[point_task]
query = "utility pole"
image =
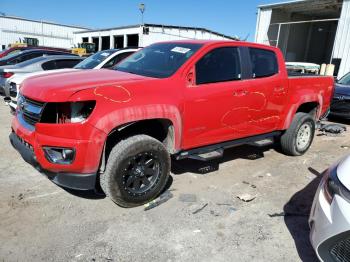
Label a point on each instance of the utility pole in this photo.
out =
(142, 10)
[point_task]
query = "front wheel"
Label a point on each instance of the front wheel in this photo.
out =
(137, 171)
(298, 137)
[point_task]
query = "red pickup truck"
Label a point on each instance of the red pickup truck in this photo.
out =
(118, 128)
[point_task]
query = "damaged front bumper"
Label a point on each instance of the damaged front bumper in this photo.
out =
(68, 180)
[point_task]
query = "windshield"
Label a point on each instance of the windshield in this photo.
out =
(345, 80)
(158, 60)
(94, 60)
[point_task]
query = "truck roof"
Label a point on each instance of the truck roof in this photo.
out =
(213, 42)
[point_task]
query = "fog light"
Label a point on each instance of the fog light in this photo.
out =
(59, 155)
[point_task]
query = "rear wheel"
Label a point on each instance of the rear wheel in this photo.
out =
(298, 138)
(136, 172)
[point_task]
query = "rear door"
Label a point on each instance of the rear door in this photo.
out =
(267, 94)
(215, 104)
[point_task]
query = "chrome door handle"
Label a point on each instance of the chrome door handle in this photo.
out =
(240, 93)
(279, 89)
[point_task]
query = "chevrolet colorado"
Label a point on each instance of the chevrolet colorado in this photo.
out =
(117, 129)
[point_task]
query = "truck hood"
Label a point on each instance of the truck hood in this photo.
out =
(59, 87)
(342, 89)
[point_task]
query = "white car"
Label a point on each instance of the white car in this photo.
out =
(330, 214)
(42, 63)
(102, 59)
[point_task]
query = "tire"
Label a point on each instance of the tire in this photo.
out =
(297, 139)
(128, 168)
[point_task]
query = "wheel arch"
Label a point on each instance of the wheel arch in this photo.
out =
(309, 107)
(162, 129)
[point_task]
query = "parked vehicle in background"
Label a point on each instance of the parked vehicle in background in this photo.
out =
(191, 99)
(42, 63)
(103, 59)
(23, 56)
(330, 214)
(340, 106)
(84, 49)
(13, 50)
(27, 55)
(106, 58)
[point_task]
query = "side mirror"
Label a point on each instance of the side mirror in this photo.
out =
(191, 78)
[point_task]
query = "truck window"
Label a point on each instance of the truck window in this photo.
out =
(264, 62)
(219, 65)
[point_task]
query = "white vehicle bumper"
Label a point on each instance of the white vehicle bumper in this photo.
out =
(330, 225)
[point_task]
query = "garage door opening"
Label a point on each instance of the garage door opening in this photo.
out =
(305, 31)
(133, 40)
(308, 41)
(105, 42)
(96, 41)
(118, 41)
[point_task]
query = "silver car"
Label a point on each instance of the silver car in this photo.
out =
(330, 214)
(42, 63)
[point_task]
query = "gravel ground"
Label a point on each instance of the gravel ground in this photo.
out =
(202, 221)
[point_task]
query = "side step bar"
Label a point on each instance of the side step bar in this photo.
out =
(215, 151)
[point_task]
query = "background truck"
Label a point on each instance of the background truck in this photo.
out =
(118, 128)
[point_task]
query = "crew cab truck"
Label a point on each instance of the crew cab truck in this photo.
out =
(117, 129)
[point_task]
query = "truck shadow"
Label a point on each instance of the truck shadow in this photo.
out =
(296, 215)
(88, 194)
(204, 167)
(98, 194)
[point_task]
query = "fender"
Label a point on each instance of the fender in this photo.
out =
(116, 105)
(127, 115)
(297, 102)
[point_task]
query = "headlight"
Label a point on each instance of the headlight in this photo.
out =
(72, 112)
(332, 186)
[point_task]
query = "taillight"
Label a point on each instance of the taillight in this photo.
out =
(7, 74)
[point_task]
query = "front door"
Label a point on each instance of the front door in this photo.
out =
(215, 106)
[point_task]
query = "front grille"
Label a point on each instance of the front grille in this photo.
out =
(13, 90)
(340, 252)
(31, 110)
(23, 141)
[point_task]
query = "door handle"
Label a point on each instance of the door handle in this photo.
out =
(240, 93)
(279, 89)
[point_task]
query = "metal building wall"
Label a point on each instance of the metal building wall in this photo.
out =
(156, 34)
(262, 26)
(342, 40)
(13, 29)
(78, 36)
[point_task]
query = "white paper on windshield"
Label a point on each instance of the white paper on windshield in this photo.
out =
(181, 50)
(104, 54)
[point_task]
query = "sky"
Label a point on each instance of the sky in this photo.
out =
(230, 17)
